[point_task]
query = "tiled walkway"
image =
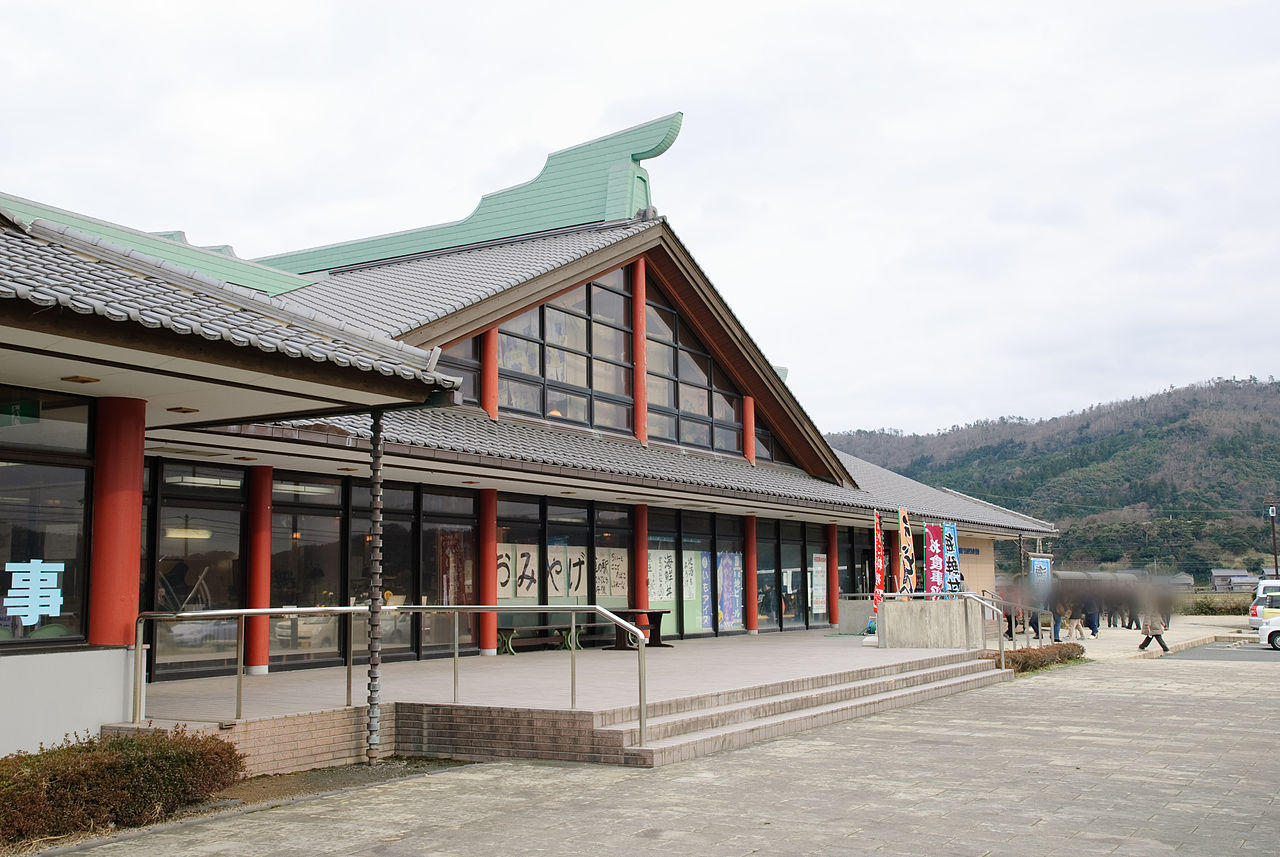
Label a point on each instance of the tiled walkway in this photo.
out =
(1126, 757)
(535, 679)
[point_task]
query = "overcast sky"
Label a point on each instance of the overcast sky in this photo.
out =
(930, 212)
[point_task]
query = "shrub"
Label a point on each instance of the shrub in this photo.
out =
(1214, 604)
(87, 784)
(1025, 660)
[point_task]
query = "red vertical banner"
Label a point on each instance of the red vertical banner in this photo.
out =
(933, 564)
(906, 545)
(879, 591)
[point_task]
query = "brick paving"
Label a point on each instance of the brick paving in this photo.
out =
(1130, 757)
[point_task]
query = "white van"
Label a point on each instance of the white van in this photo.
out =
(1267, 587)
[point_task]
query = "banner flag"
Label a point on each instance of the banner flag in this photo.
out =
(907, 548)
(933, 568)
(879, 590)
(954, 580)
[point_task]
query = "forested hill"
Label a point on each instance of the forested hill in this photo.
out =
(1179, 480)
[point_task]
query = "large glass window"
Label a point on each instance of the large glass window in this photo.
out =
(198, 567)
(519, 556)
(570, 360)
(663, 563)
(42, 544)
(791, 539)
(448, 566)
(398, 565)
(691, 399)
(306, 569)
(818, 560)
(613, 556)
(768, 596)
(36, 420)
(462, 359)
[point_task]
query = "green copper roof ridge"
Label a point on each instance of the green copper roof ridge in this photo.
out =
(231, 269)
(592, 182)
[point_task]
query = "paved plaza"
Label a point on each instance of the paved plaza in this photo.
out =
(1175, 755)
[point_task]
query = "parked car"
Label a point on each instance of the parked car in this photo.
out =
(1269, 633)
(1267, 587)
(202, 632)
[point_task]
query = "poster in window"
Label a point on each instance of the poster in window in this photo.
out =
(576, 571)
(662, 576)
(619, 563)
(818, 585)
(557, 570)
(526, 571)
(708, 608)
(506, 572)
(690, 574)
(452, 560)
(730, 574)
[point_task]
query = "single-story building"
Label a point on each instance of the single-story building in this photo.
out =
(570, 413)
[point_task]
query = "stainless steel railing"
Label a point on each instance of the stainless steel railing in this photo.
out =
(240, 614)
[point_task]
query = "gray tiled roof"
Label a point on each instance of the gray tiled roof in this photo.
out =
(889, 490)
(399, 296)
(49, 264)
(470, 432)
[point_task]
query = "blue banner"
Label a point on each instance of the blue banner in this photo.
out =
(953, 580)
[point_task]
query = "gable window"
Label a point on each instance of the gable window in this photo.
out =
(463, 359)
(570, 359)
(691, 400)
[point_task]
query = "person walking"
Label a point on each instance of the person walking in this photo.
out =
(1092, 620)
(1153, 627)
(1075, 619)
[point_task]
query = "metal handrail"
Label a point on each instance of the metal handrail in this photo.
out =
(239, 614)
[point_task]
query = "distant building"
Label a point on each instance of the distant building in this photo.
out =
(1232, 580)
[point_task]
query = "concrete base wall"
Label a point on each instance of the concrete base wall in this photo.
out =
(920, 624)
(854, 614)
(52, 694)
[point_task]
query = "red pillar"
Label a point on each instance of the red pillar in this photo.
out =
(258, 566)
(114, 575)
(640, 580)
(833, 575)
(489, 373)
(750, 596)
(749, 428)
(488, 584)
(639, 332)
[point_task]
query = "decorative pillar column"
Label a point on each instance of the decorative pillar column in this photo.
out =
(749, 428)
(639, 334)
(750, 597)
(833, 574)
(488, 583)
(116, 533)
(640, 550)
(489, 372)
(258, 566)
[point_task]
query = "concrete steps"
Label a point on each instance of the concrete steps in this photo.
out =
(696, 726)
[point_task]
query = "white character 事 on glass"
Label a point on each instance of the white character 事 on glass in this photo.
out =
(35, 591)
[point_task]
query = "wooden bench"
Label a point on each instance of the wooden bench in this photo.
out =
(509, 638)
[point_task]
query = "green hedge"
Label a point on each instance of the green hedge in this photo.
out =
(1214, 604)
(94, 784)
(1025, 660)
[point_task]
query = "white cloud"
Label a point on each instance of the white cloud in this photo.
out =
(971, 209)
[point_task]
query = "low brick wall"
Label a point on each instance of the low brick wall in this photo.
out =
(290, 742)
(478, 733)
